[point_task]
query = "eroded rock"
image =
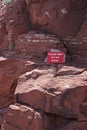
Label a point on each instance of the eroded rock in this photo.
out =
(62, 17)
(28, 118)
(10, 69)
(55, 95)
(50, 97)
(36, 45)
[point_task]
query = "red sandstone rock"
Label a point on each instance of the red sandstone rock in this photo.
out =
(55, 95)
(62, 17)
(9, 71)
(2, 114)
(77, 47)
(70, 70)
(2, 33)
(76, 125)
(62, 98)
(23, 117)
(36, 45)
(14, 10)
(2, 24)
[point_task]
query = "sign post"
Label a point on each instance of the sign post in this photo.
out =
(56, 57)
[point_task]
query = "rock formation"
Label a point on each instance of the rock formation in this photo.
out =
(45, 102)
(36, 45)
(62, 17)
(36, 95)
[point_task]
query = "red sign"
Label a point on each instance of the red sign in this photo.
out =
(56, 57)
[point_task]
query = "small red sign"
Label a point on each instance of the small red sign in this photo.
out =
(56, 57)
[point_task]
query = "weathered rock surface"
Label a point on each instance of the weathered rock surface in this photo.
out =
(47, 97)
(61, 99)
(36, 45)
(10, 69)
(55, 95)
(27, 117)
(70, 70)
(2, 24)
(62, 17)
(16, 11)
(78, 47)
(2, 114)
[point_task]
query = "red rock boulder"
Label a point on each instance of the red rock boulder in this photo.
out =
(54, 95)
(10, 69)
(61, 17)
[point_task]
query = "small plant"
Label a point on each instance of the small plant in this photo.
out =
(6, 1)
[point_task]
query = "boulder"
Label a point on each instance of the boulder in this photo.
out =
(61, 17)
(10, 69)
(69, 70)
(55, 95)
(23, 117)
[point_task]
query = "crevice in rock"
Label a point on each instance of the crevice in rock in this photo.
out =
(83, 107)
(12, 125)
(26, 104)
(48, 114)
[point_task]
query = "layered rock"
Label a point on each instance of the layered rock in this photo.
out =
(27, 117)
(48, 97)
(36, 45)
(10, 69)
(54, 95)
(16, 11)
(62, 100)
(64, 18)
(77, 46)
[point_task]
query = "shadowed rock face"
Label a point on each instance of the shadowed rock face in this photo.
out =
(55, 95)
(62, 17)
(16, 11)
(10, 69)
(65, 18)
